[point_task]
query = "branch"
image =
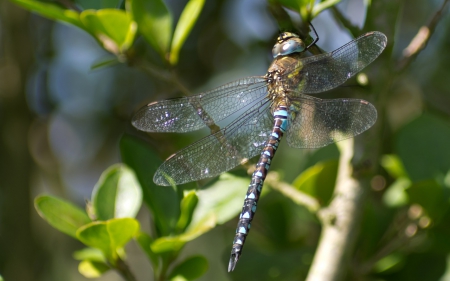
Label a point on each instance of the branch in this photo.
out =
(273, 180)
(420, 40)
(339, 220)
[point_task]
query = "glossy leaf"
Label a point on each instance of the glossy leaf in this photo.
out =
(90, 254)
(61, 214)
(109, 236)
(318, 181)
(162, 201)
(168, 244)
(190, 269)
(222, 200)
(117, 194)
(154, 21)
(114, 29)
(188, 205)
(184, 26)
(422, 146)
(92, 269)
(51, 11)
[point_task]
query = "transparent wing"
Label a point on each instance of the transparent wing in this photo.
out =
(327, 71)
(318, 123)
(195, 112)
(221, 151)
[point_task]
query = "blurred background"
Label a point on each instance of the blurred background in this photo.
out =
(61, 122)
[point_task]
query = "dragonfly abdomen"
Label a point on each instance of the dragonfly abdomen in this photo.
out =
(254, 189)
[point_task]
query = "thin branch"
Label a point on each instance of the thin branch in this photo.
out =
(340, 221)
(421, 39)
(124, 270)
(273, 180)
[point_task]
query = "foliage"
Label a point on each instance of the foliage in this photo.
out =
(404, 228)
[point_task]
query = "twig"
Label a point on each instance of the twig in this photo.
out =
(273, 180)
(124, 270)
(420, 40)
(339, 222)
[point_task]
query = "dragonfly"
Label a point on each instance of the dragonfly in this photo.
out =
(276, 104)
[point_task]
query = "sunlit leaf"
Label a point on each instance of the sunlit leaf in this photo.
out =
(168, 244)
(61, 214)
(113, 28)
(154, 22)
(395, 195)
(188, 205)
(393, 166)
(109, 236)
(389, 263)
(51, 11)
(184, 26)
(117, 194)
(92, 269)
(90, 254)
(190, 269)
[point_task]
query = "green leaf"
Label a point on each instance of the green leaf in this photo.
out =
(90, 254)
(222, 200)
(51, 11)
(188, 205)
(105, 63)
(117, 194)
(92, 269)
(184, 26)
(389, 263)
(422, 146)
(145, 241)
(395, 195)
(113, 28)
(109, 236)
(320, 7)
(162, 201)
(168, 244)
(60, 214)
(154, 23)
(190, 269)
(318, 181)
(394, 166)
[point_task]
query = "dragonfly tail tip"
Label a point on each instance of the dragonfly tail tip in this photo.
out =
(233, 261)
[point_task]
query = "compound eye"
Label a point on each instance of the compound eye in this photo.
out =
(292, 45)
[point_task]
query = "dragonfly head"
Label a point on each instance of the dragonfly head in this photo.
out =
(288, 43)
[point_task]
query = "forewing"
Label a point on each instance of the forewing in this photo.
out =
(195, 112)
(221, 151)
(324, 72)
(318, 123)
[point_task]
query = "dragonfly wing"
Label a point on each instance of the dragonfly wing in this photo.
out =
(317, 122)
(195, 112)
(327, 71)
(221, 151)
